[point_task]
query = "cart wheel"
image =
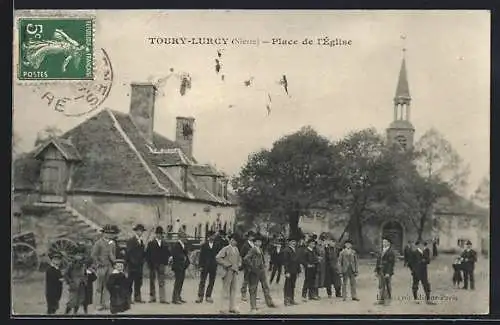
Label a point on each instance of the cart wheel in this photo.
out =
(25, 260)
(66, 248)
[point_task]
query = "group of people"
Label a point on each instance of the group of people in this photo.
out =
(326, 265)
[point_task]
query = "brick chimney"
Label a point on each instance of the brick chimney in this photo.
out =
(184, 134)
(142, 108)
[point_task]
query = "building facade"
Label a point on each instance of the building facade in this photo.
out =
(114, 167)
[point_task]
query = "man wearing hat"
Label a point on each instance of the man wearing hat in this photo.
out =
(103, 256)
(348, 262)
(276, 261)
(249, 244)
(469, 259)
(230, 260)
(291, 265)
(421, 261)
(53, 282)
(208, 266)
(157, 258)
(384, 269)
(256, 268)
(136, 253)
(180, 263)
(311, 268)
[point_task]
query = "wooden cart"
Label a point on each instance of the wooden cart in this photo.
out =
(25, 259)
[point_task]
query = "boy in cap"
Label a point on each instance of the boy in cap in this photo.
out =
(119, 288)
(157, 258)
(53, 283)
(469, 259)
(229, 258)
(256, 268)
(136, 254)
(348, 262)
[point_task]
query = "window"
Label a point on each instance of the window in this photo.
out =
(51, 182)
(402, 141)
(461, 242)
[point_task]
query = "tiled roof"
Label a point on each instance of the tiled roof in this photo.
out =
(114, 157)
(454, 203)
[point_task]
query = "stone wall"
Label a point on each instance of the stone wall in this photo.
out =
(127, 211)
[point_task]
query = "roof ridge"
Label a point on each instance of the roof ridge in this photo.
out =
(117, 125)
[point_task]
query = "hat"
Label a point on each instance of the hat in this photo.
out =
(468, 242)
(251, 234)
(323, 236)
(348, 241)
(292, 238)
(222, 232)
(118, 260)
(311, 240)
(139, 227)
(210, 233)
(110, 229)
(314, 237)
(159, 230)
(388, 239)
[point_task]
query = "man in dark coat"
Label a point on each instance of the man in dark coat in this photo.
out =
(384, 269)
(469, 259)
(245, 248)
(157, 258)
(407, 253)
(256, 267)
(135, 256)
(208, 266)
(276, 261)
(291, 265)
(421, 260)
(53, 283)
(332, 275)
(311, 267)
(179, 266)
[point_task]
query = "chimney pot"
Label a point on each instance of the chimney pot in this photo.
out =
(184, 134)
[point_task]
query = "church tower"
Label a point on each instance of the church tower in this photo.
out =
(401, 130)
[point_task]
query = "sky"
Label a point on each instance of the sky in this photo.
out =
(335, 90)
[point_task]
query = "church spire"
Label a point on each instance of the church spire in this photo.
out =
(402, 90)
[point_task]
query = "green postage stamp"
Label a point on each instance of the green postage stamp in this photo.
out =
(55, 48)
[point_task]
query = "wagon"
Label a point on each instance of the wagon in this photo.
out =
(25, 259)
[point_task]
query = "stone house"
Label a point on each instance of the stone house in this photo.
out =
(114, 167)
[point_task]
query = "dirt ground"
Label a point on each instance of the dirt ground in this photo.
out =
(28, 296)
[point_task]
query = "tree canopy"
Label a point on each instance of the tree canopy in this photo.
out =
(358, 174)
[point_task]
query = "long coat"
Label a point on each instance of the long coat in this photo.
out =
(180, 258)
(76, 278)
(135, 254)
(321, 267)
(332, 265)
(385, 262)
(119, 289)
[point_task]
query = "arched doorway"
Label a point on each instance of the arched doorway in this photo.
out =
(394, 231)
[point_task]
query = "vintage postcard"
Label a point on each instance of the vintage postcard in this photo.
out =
(234, 162)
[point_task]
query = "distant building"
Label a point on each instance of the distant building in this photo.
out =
(115, 167)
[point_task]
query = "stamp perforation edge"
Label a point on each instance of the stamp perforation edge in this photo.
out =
(45, 16)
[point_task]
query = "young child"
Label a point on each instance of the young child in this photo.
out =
(53, 283)
(76, 278)
(91, 276)
(457, 271)
(119, 288)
